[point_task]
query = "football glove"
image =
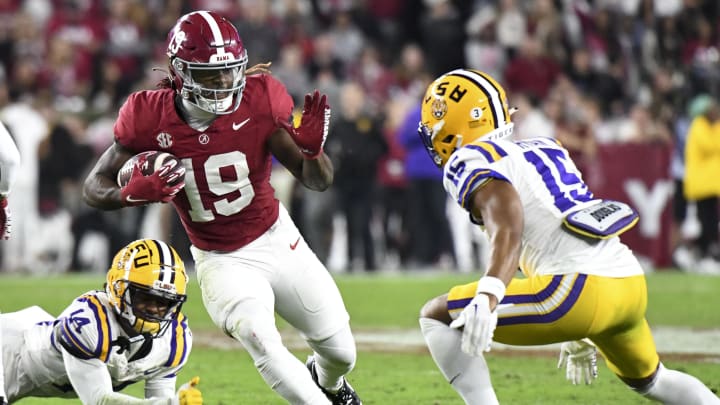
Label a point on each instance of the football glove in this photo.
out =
(141, 189)
(189, 394)
(5, 221)
(479, 325)
(580, 360)
(310, 136)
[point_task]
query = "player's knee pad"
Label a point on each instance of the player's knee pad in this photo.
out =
(337, 352)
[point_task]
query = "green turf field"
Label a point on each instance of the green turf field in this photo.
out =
(390, 303)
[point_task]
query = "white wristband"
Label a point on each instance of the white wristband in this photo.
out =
(491, 285)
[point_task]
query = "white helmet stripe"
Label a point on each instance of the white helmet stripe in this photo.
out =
(167, 259)
(215, 29)
(129, 263)
(489, 89)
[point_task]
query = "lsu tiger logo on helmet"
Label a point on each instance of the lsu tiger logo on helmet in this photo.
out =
(459, 108)
(146, 285)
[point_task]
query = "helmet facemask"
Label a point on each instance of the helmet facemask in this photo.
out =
(207, 62)
(439, 147)
(146, 285)
(148, 310)
(214, 88)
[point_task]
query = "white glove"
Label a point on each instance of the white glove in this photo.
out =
(479, 325)
(188, 394)
(580, 357)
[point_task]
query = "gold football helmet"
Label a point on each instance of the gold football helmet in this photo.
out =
(459, 108)
(146, 285)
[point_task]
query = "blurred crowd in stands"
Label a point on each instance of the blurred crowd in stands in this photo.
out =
(586, 72)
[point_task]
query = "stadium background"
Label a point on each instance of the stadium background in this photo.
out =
(615, 81)
(612, 80)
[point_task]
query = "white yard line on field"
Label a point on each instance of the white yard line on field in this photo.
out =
(667, 339)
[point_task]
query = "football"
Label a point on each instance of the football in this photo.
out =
(149, 162)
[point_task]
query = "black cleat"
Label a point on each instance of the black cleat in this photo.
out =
(346, 394)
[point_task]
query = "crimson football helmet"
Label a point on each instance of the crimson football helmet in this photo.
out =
(207, 61)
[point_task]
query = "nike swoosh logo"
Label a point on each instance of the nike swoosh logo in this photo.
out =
(294, 245)
(133, 200)
(240, 125)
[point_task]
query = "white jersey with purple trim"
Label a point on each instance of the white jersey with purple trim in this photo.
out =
(88, 330)
(550, 186)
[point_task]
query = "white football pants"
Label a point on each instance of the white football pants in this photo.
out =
(278, 272)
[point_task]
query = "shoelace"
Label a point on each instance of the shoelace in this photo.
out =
(346, 394)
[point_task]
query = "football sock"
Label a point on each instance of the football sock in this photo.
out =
(334, 357)
(280, 369)
(675, 388)
(289, 377)
(468, 375)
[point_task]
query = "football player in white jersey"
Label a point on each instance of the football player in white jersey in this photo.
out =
(9, 163)
(106, 340)
(581, 284)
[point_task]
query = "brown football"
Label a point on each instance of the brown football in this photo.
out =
(149, 162)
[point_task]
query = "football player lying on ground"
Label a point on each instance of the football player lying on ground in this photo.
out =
(106, 340)
(9, 164)
(582, 285)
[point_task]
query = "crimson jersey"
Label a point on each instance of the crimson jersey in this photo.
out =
(227, 201)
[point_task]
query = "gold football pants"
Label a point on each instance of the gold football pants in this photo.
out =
(558, 308)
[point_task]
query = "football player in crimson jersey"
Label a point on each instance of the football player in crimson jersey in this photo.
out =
(251, 260)
(9, 163)
(582, 286)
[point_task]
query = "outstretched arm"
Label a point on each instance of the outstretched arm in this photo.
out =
(92, 383)
(300, 149)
